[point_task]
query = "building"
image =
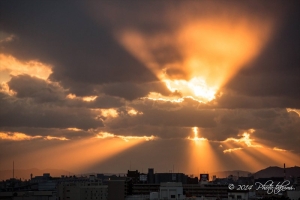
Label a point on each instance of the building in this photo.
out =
(238, 195)
(28, 195)
(82, 190)
(209, 191)
(134, 175)
(150, 175)
(293, 195)
(171, 190)
(144, 189)
(119, 189)
(170, 177)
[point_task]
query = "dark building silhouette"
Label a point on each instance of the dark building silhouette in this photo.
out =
(151, 176)
(204, 177)
(191, 180)
(245, 180)
(119, 189)
(208, 190)
(134, 175)
(170, 177)
(144, 189)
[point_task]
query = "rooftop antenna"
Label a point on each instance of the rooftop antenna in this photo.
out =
(284, 171)
(13, 181)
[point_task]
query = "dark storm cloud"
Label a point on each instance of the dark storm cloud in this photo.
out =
(104, 101)
(239, 99)
(84, 53)
(187, 116)
(275, 73)
(42, 91)
(26, 86)
(276, 125)
(131, 91)
(268, 81)
(273, 127)
(87, 60)
(80, 50)
(163, 132)
(25, 113)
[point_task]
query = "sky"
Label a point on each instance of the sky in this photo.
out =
(182, 86)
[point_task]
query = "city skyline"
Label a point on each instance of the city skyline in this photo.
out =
(194, 86)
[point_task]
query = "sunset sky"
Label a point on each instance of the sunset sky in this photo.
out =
(200, 86)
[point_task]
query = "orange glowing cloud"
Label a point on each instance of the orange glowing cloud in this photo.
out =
(55, 138)
(74, 129)
(85, 98)
(245, 139)
(133, 112)
(278, 149)
(10, 65)
(211, 50)
(103, 135)
(231, 150)
(89, 98)
(16, 136)
(109, 112)
(294, 110)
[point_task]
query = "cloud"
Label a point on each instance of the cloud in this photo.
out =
(151, 71)
(231, 150)
(274, 74)
(10, 66)
(103, 135)
(4, 37)
(55, 138)
(294, 110)
(23, 112)
(15, 136)
(234, 100)
(278, 149)
(40, 90)
(96, 56)
(131, 91)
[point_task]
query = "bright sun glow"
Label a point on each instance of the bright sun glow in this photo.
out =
(207, 53)
(195, 88)
(196, 138)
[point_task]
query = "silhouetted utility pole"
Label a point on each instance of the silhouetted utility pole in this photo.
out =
(13, 179)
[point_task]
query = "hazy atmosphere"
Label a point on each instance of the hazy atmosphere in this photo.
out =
(194, 86)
